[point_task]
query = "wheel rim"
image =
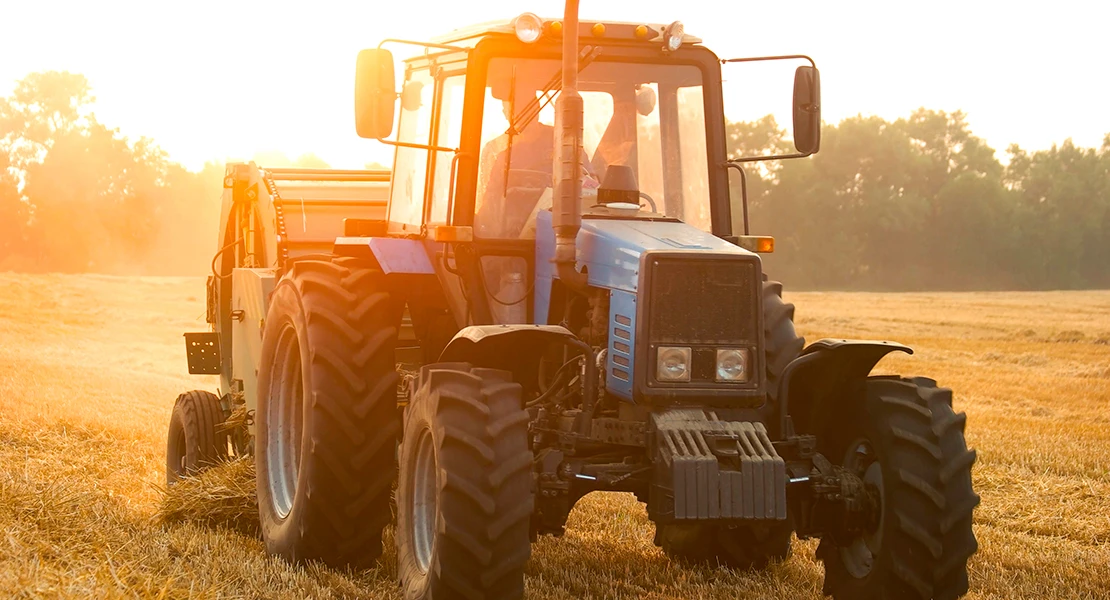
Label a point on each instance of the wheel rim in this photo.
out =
(424, 500)
(285, 423)
(183, 452)
(859, 556)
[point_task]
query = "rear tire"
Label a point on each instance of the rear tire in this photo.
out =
(327, 414)
(464, 495)
(195, 441)
(902, 436)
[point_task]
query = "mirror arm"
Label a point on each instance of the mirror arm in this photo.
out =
(780, 57)
(424, 44)
(451, 187)
(417, 146)
(743, 191)
(746, 159)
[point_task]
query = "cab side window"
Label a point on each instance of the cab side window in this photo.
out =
(410, 169)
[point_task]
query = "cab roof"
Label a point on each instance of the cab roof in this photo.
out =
(623, 31)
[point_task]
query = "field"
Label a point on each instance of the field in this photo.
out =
(90, 365)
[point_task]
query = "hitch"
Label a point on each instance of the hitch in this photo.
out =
(841, 503)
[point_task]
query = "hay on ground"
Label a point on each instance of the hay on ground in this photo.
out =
(222, 496)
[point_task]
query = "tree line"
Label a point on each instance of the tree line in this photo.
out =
(921, 203)
(917, 203)
(77, 196)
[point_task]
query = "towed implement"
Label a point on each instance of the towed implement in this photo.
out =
(544, 298)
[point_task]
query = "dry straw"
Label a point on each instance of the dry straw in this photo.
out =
(222, 496)
(90, 365)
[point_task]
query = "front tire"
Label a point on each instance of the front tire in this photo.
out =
(739, 547)
(195, 441)
(903, 437)
(328, 419)
(464, 496)
(781, 341)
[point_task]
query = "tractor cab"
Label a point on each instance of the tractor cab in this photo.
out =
(493, 99)
(476, 138)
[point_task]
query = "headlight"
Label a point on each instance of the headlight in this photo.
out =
(672, 36)
(528, 27)
(732, 364)
(672, 363)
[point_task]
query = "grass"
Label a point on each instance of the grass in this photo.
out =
(90, 365)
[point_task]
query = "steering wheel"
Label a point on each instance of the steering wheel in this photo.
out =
(651, 202)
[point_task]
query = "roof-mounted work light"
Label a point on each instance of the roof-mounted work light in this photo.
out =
(672, 36)
(528, 27)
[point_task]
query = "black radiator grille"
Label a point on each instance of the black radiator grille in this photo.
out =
(703, 301)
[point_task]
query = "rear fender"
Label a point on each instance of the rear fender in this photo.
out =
(405, 262)
(814, 384)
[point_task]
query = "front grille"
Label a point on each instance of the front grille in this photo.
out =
(703, 301)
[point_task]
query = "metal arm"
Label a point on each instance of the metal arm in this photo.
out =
(743, 190)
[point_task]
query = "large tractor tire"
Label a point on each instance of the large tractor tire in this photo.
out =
(195, 441)
(903, 437)
(464, 496)
(327, 419)
(781, 342)
(744, 547)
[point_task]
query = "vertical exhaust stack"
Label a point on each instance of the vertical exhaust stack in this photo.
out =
(566, 217)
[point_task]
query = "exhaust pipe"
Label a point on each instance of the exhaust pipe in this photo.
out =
(566, 217)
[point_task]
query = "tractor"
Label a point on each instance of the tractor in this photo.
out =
(545, 298)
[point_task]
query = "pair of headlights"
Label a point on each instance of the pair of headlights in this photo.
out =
(673, 364)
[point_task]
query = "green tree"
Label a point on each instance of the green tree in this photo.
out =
(914, 204)
(746, 139)
(43, 107)
(75, 195)
(14, 215)
(1063, 203)
(967, 229)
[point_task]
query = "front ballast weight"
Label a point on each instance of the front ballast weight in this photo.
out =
(712, 469)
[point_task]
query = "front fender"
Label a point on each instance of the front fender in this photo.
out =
(510, 347)
(812, 384)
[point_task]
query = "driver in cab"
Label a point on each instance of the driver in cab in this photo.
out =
(516, 172)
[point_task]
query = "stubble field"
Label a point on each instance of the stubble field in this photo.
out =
(90, 365)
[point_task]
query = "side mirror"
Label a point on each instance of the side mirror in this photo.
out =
(375, 94)
(807, 110)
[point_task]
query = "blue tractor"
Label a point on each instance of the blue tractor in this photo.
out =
(545, 298)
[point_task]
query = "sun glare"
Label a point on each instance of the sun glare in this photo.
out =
(212, 80)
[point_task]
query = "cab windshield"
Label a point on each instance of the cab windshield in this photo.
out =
(649, 117)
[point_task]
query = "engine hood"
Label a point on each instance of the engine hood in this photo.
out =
(610, 249)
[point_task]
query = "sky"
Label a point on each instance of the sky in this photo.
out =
(218, 79)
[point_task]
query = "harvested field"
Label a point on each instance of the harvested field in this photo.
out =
(90, 365)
